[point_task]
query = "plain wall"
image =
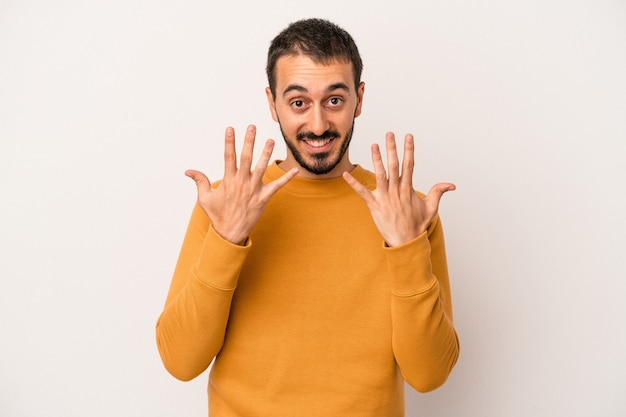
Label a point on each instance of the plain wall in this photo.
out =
(104, 104)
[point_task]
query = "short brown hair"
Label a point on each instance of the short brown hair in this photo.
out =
(320, 40)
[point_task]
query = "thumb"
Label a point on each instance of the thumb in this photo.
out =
(437, 191)
(202, 182)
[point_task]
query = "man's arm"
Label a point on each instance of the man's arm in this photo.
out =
(425, 343)
(191, 328)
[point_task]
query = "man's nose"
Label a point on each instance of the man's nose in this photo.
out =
(319, 121)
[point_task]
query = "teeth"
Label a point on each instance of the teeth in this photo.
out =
(318, 143)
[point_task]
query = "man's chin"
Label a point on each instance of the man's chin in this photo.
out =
(319, 165)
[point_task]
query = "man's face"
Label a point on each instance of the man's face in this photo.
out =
(315, 106)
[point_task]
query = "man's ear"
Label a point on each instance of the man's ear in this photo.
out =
(271, 103)
(359, 95)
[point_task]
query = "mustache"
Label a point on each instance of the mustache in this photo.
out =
(329, 134)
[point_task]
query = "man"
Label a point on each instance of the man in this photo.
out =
(315, 287)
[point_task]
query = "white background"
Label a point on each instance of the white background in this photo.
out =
(104, 104)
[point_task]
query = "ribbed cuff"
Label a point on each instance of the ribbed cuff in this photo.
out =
(410, 267)
(220, 261)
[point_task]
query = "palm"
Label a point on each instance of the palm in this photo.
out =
(399, 213)
(236, 204)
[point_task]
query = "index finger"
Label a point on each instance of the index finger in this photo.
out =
(261, 165)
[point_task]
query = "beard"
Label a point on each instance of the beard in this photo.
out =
(322, 162)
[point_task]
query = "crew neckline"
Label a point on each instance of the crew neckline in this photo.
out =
(335, 185)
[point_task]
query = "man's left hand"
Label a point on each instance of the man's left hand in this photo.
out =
(398, 212)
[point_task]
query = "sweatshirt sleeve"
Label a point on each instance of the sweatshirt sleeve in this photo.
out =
(190, 330)
(425, 342)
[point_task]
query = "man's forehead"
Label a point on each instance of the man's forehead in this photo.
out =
(305, 73)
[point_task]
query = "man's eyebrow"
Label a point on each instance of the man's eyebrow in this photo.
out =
(338, 86)
(294, 87)
(332, 87)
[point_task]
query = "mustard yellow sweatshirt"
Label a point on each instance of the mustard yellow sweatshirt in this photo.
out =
(314, 316)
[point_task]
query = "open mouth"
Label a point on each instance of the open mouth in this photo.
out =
(317, 143)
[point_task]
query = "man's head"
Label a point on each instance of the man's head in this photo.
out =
(320, 40)
(315, 93)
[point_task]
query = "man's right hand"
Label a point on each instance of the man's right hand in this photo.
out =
(236, 205)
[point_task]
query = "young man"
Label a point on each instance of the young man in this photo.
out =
(316, 287)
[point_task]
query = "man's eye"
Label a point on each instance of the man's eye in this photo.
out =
(335, 101)
(298, 103)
